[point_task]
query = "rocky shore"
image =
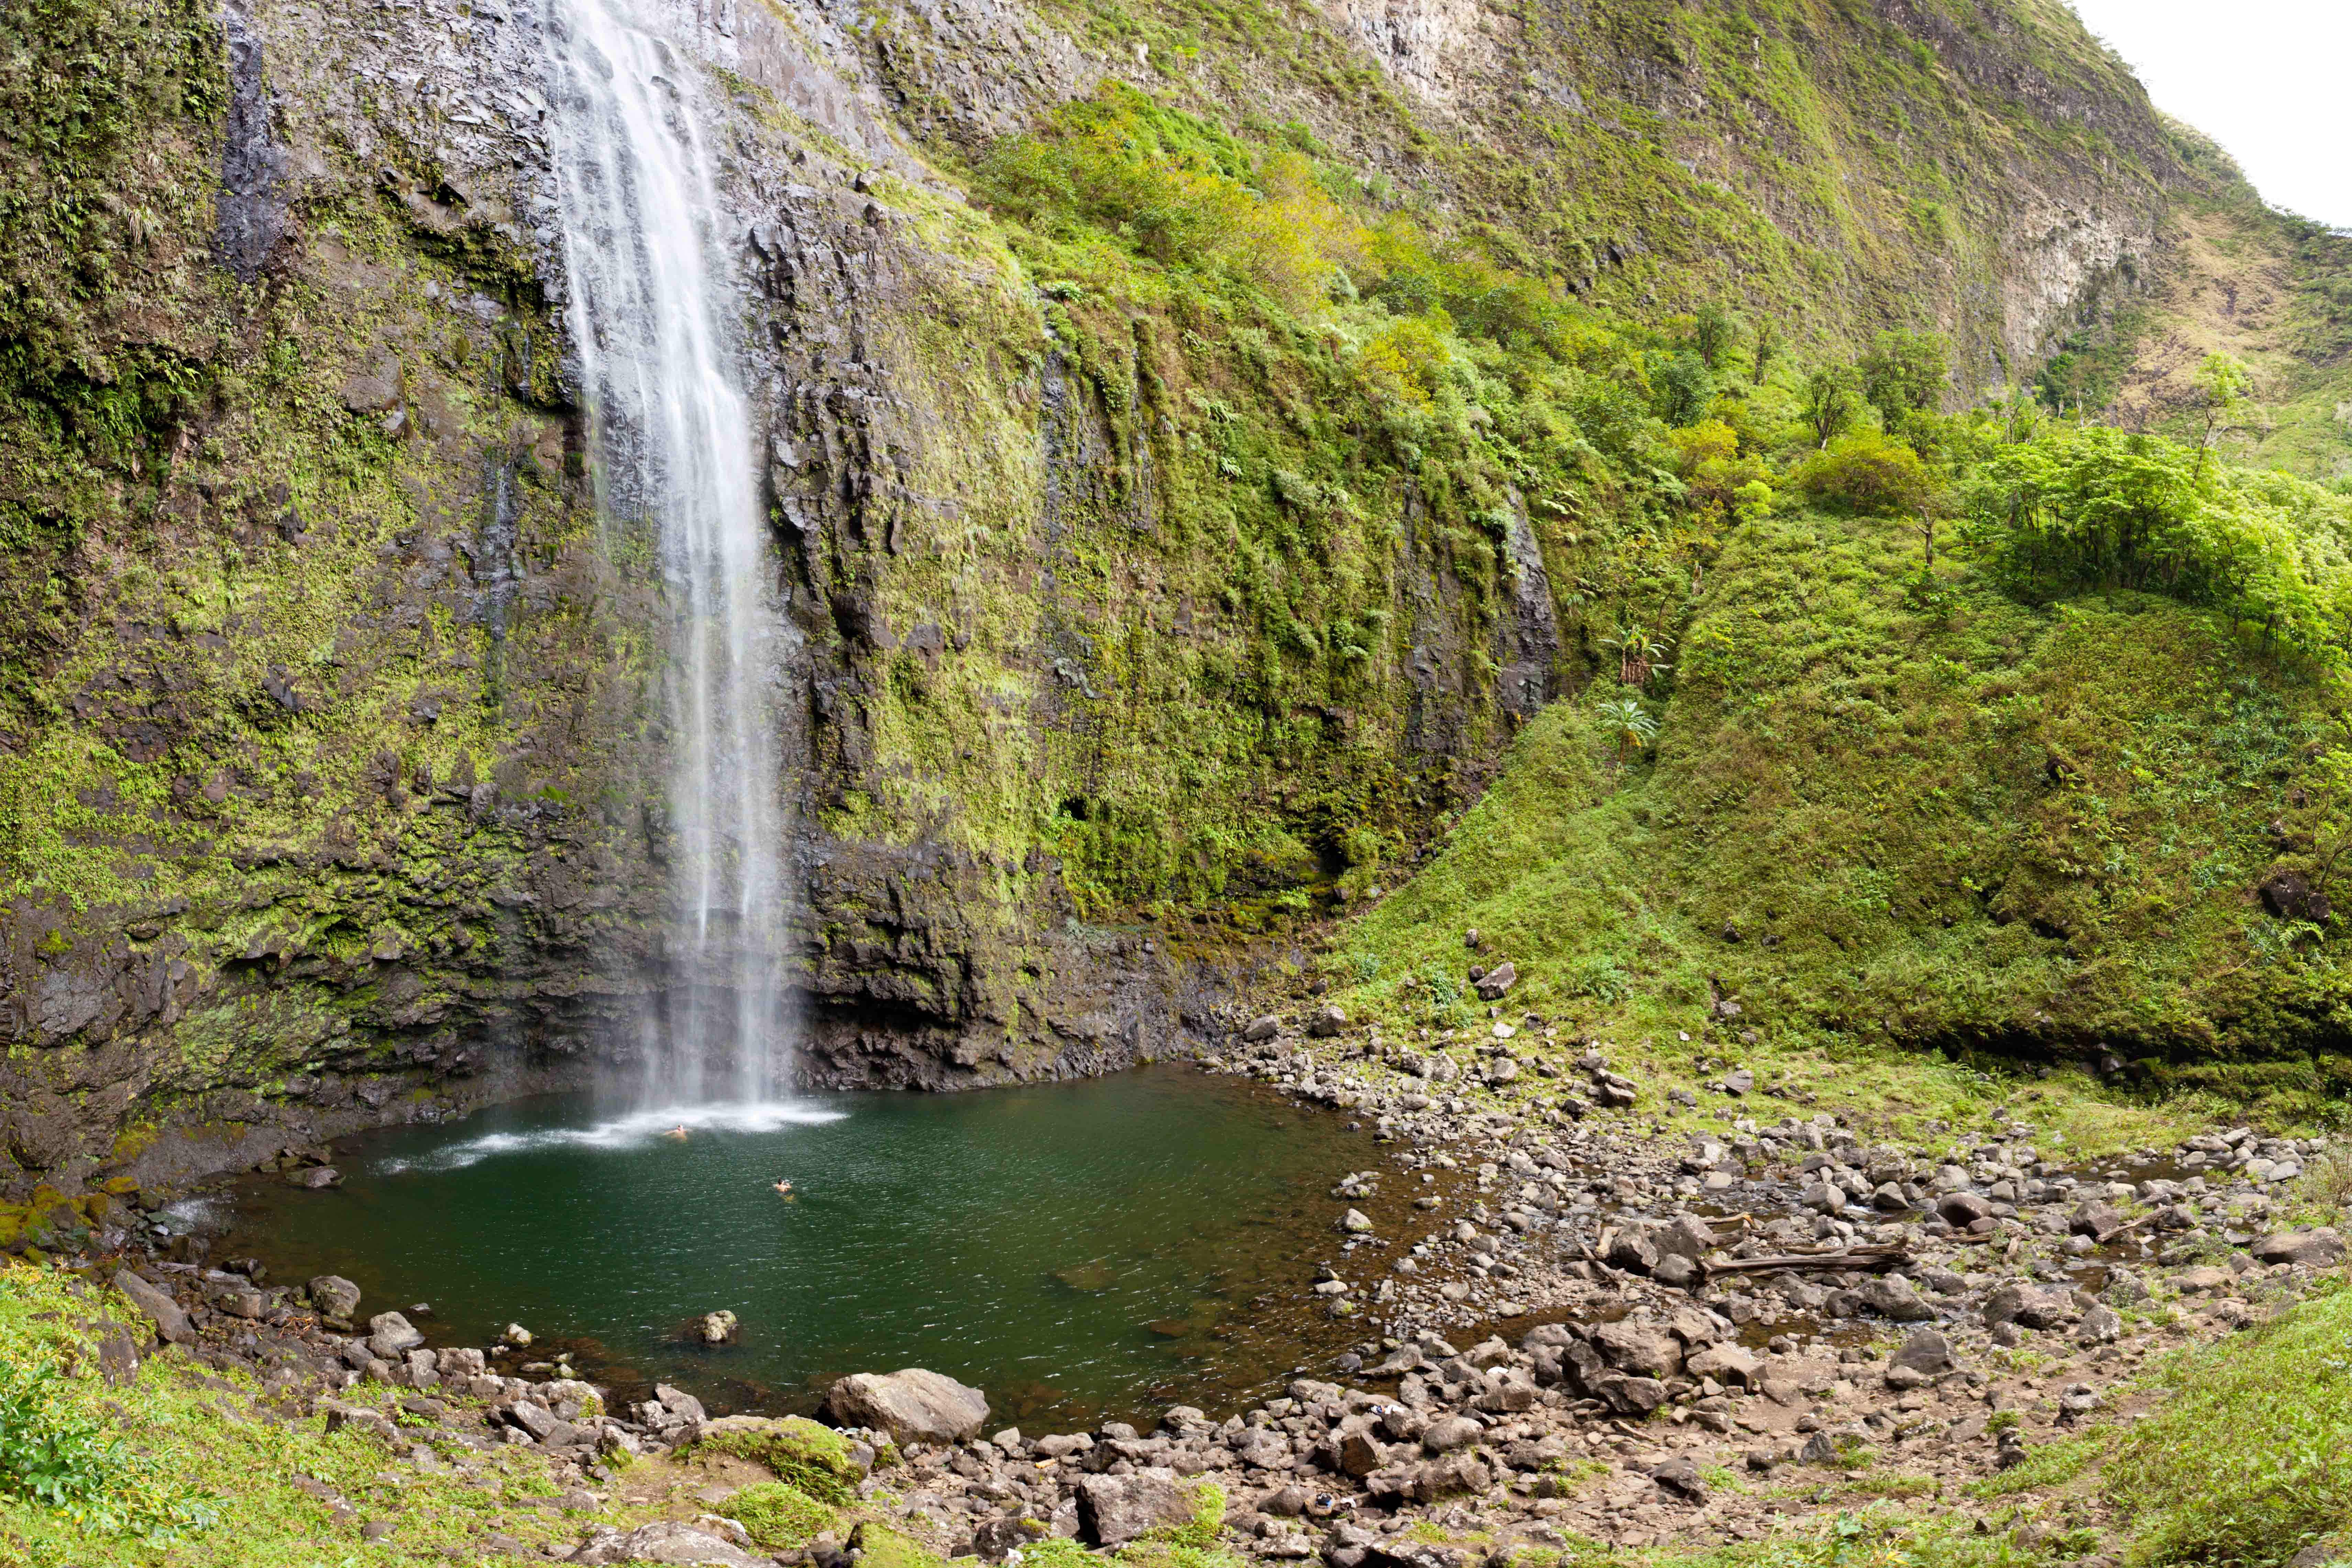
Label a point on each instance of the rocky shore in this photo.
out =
(1585, 1331)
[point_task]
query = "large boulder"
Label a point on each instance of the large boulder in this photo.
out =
(1684, 1235)
(1497, 980)
(1732, 1365)
(1926, 1352)
(2027, 1306)
(2324, 1247)
(1891, 1296)
(1639, 1348)
(392, 1336)
(911, 1405)
(666, 1540)
(333, 1295)
(171, 1322)
(1961, 1210)
(1115, 1509)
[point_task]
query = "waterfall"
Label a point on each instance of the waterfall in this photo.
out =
(650, 310)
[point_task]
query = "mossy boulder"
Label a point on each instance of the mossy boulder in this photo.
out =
(816, 1462)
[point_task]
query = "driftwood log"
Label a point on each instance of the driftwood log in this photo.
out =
(1869, 1259)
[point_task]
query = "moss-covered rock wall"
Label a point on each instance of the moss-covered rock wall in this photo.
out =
(1151, 591)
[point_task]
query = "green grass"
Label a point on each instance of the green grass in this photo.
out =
(2250, 1459)
(814, 1460)
(780, 1517)
(1914, 846)
(173, 1470)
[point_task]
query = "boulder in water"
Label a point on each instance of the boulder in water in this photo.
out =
(911, 1405)
(720, 1328)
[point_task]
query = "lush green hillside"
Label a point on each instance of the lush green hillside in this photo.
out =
(2022, 802)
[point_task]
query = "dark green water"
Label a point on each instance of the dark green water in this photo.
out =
(1080, 1251)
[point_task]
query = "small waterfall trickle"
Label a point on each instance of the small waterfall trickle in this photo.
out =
(650, 306)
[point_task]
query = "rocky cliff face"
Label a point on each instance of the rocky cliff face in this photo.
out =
(334, 752)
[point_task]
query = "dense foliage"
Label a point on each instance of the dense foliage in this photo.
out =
(2095, 508)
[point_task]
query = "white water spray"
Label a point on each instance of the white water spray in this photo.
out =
(645, 252)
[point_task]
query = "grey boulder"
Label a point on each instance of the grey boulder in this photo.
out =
(1961, 1210)
(391, 1336)
(1891, 1296)
(1685, 1235)
(666, 1540)
(2027, 1306)
(334, 1295)
(1632, 1347)
(2323, 1248)
(171, 1322)
(911, 1405)
(1926, 1353)
(1115, 1510)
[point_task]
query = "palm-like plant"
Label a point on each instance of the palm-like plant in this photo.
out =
(1629, 723)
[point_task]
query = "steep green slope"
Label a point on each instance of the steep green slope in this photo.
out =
(1926, 812)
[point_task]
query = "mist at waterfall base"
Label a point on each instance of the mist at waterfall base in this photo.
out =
(1080, 1251)
(650, 298)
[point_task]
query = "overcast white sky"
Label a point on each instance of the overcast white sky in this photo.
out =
(2269, 79)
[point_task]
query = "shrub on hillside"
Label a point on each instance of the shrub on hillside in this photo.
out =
(1866, 471)
(1179, 191)
(1713, 472)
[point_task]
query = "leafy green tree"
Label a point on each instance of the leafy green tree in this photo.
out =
(2020, 415)
(2223, 384)
(1683, 387)
(2091, 506)
(1866, 471)
(1713, 333)
(1763, 352)
(1830, 403)
(1904, 371)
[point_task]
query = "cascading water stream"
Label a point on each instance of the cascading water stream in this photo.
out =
(649, 300)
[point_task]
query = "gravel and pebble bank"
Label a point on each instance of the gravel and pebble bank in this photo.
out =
(1573, 1328)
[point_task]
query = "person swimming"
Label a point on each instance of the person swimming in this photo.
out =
(678, 1132)
(785, 1187)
